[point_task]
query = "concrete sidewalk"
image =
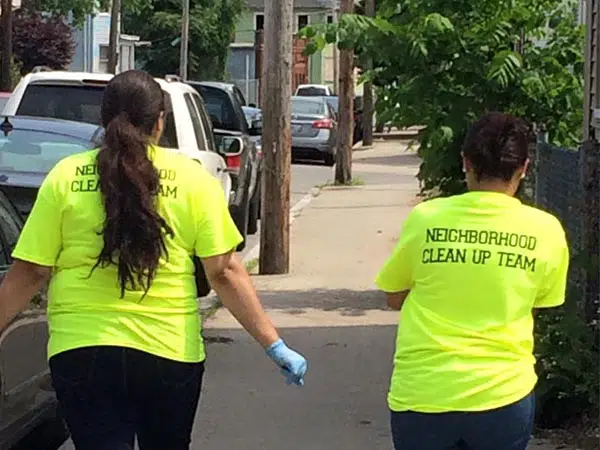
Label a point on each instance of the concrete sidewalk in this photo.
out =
(326, 307)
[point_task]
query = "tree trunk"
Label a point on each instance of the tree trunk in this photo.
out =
(343, 166)
(277, 139)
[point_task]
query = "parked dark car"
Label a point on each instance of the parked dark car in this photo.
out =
(358, 132)
(224, 103)
(29, 416)
(314, 129)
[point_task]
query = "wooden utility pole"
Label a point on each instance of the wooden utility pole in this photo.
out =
(368, 102)
(343, 165)
(7, 50)
(185, 40)
(277, 138)
(113, 41)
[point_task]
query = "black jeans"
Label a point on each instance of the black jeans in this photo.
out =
(507, 428)
(109, 395)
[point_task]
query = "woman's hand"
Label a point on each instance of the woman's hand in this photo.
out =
(293, 365)
(21, 283)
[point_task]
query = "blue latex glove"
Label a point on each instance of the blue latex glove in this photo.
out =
(293, 365)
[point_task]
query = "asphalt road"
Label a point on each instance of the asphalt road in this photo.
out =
(305, 176)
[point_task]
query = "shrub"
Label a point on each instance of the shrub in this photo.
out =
(42, 41)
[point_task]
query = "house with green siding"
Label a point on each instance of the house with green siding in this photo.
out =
(241, 65)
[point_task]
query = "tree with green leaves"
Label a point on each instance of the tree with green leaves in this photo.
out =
(42, 41)
(77, 10)
(212, 26)
(441, 64)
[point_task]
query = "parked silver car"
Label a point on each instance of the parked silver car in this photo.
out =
(314, 129)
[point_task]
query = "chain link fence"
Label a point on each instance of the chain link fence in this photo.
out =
(565, 183)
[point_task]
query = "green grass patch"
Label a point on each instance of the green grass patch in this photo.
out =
(356, 181)
(251, 265)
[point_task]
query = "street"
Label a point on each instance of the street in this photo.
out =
(305, 176)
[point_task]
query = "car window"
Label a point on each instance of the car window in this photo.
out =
(3, 101)
(219, 108)
(311, 91)
(305, 107)
(82, 104)
(70, 102)
(169, 136)
(210, 138)
(37, 151)
(239, 96)
(196, 122)
(334, 102)
(331, 111)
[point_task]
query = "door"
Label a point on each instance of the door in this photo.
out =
(25, 387)
(208, 156)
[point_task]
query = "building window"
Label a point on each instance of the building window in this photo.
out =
(329, 18)
(103, 59)
(302, 21)
(259, 22)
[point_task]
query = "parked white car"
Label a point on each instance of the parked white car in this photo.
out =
(313, 90)
(77, 96)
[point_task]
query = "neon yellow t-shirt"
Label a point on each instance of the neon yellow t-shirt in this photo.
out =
(476, 265)
(84, 307)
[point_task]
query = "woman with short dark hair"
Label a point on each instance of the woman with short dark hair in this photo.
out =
(126, 353)
(466, 274)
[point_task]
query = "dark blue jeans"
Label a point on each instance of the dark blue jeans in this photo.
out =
(507, 428)
(109, 395)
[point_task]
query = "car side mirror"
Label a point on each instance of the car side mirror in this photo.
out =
(231, 146)
(256, 128)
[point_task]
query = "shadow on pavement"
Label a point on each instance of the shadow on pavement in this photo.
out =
(345, 301)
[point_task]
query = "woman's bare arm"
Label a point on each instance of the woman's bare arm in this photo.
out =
(20, 284)
(395, 300)
(229, 278)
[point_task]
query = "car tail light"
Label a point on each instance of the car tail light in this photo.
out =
(323, 124)
(234, 163)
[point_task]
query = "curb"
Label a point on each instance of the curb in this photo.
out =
(208, 305)
(294, 212)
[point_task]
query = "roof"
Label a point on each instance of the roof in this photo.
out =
(305, 4)
(319, 99)
(58, 75)
(213, 84)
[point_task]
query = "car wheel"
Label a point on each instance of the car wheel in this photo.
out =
(329, 159)
(254, 211)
